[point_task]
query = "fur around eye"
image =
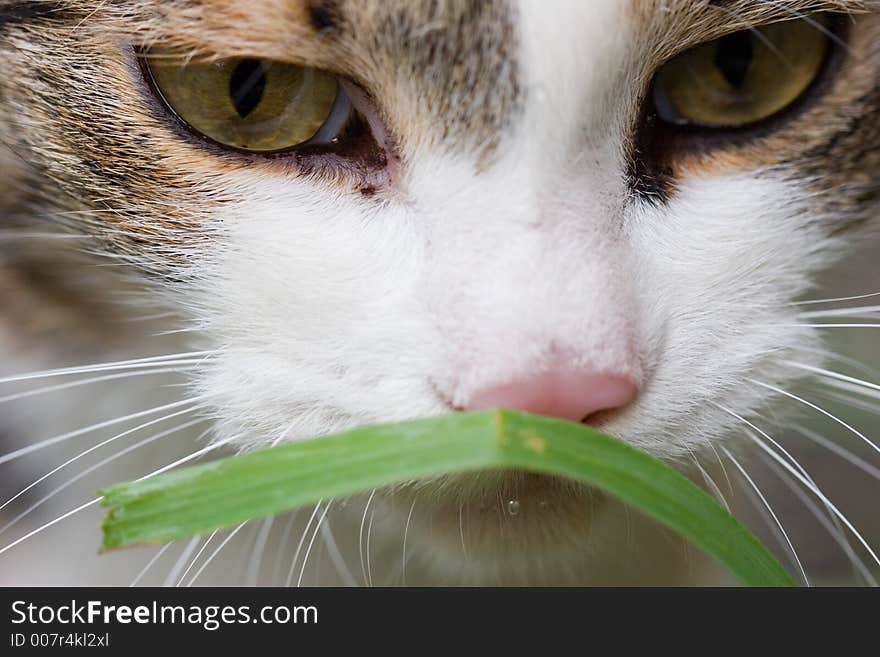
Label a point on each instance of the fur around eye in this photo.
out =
(253, 105)
(741, 78)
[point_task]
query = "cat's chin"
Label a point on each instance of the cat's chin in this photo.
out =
(517, 528)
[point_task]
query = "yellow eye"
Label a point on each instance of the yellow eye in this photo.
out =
(743, 77)
(250, 104)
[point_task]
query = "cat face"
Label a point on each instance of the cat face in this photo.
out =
(519, 194)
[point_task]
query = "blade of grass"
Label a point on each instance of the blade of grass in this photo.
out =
(266, 482)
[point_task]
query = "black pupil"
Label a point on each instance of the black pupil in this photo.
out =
(734, 56)
(247, 85)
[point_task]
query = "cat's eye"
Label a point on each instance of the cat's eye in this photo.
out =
(743, 77)
(253, 105)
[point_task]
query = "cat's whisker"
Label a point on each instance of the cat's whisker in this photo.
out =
(149, 565)
(798, 469)
(369, 537)
(339, 563)
(773, 515)
(866, 317)
(90, 381)
(92, 449)
(361, 536)
(828, 521)
(843, 453)
(305, 561)
(51, 523)
(405, 535)
(834, 375)
(192, 562)
(801, 475)
(852, 362)
(818, 493)
(833, 300)
(858, 312)
(96, 500)
(827, 326)
(8, 234)
(723, 467)
(833, 417)
(181, 561)
(461, 530)
(252, 574)
(836, 390)
(282, 546)
(215, 553)
(194, 455)
(710, 482)
(788, 455)
(96, 466)
(136, 363)
(18, 453)
(253, 570)
(289, 581)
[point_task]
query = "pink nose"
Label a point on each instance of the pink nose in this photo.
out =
(570, 395)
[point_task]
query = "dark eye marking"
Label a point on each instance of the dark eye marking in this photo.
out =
(247, 84)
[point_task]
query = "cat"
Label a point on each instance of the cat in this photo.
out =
(329, 213)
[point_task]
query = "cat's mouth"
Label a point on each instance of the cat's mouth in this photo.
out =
(490, 514)
(516, 527)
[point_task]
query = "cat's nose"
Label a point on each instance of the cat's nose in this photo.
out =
(567, 394)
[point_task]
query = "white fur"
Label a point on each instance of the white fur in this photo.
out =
(332, 310)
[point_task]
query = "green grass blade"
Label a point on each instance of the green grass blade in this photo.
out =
(266, 482)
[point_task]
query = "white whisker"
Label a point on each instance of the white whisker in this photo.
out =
(830, 524)
(289, 580)
(845, 454)
(150, 564)
(405, 534)
(866, 312)
(361, 537)
(187, 459)
(834, 375)
(723, 468)
(97, 379)
(85, 430)
(98, 499)
(182, 559)
(192, 562)
(92, 449)
(820, 410)
(342, 568)
(252, 575)
(282, 546)
(818, 493)
(49, 524)
(835, 300)
(369, 563)
(827, 325)
(215, 553)
(710, 482)
(302, 570)
(800, 474)
(155, 361)
(847, 400)
(769, 508)
(93, 468)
